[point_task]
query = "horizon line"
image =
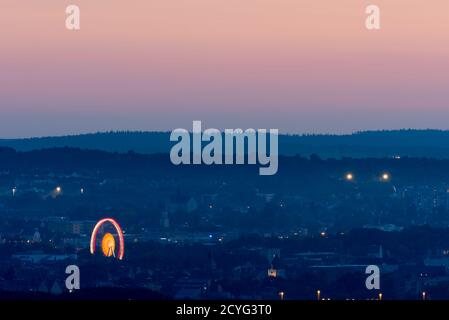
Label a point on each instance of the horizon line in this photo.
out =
(68, 135)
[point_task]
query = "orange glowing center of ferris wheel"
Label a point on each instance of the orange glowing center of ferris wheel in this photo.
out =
(108, 245)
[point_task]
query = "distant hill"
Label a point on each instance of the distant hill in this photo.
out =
(413, 143)
(140, 142)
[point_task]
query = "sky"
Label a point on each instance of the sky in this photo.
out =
(301, 66)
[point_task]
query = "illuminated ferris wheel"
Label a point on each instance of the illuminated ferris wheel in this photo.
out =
(108, 242)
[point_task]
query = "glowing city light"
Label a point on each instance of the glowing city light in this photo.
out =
(380, 296)
(385, 177)
(318, 294)
(282, 295)
(349, 176)
(424, 294)
(58, 189)
(106, 239)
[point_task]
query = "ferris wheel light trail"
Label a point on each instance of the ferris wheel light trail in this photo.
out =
(93, 238)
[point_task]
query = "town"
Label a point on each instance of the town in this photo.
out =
(223, 232)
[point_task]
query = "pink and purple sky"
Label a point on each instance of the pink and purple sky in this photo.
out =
(297, 65)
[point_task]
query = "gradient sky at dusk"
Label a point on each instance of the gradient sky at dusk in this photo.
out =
(297, 65)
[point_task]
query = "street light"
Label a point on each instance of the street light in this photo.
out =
(281, 295)
(349, 176)
(318, 294)
(58, 189)
(385, 177)
(14, 190)
(424, 295)
(380, 295)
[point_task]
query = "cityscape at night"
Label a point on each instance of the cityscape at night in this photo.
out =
(222, 232)
(210, 159)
